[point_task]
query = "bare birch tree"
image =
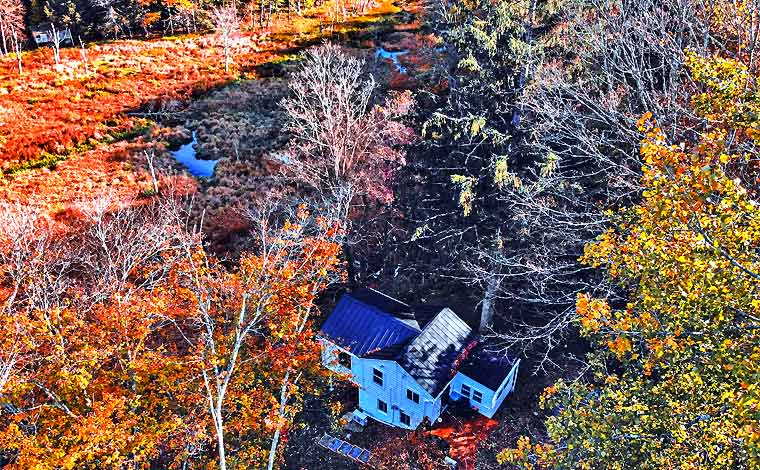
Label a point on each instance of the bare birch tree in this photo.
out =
(55, 43)
(11, 23)
(342, 137)
(226, 24)
(17, 48)
(233, 313)
(24, 256)
(121, 239)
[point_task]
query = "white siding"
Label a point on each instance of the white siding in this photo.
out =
(396, 381)
(507, 386)
(491, 399)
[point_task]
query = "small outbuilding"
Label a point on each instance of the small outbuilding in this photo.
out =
(43, 34)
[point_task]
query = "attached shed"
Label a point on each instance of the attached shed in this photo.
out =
(485, 379)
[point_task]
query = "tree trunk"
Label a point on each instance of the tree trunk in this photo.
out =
(220, 441)
(2, 35)
(278, 431)
(226, 58)
(486, 313)
(56, 45)
(17, 46)
(150, 155)
(350, 269)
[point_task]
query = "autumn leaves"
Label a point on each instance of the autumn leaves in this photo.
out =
(676, 369)
(126, 345)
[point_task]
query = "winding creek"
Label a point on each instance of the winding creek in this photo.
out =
(197, 167)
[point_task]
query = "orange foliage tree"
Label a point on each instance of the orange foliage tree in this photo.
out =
(125, 345)
(249, 331)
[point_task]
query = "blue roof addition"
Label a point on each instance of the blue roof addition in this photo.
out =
(359, 325)
(487, 367)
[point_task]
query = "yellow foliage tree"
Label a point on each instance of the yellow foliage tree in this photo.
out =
(677, 369)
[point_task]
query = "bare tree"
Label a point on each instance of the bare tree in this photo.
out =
(55, 42)
(17, 48)
(34, 273)
(342, 138)
(226, 24)
(11, 23)
(150, 156)
(112, 20)
(120, 239)
(347, 141)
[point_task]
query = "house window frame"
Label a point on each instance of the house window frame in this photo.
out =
(479, 397)
(384, 408)
(402, 414)
(412, 396)
(467, 393)
(341, 356)
(378, 378)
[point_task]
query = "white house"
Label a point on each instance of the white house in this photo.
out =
(411, 361)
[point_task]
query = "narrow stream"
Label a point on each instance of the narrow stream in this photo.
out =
(392, 56)
(186, 156)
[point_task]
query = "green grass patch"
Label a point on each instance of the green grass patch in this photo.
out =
(51, 160)
(46, 160)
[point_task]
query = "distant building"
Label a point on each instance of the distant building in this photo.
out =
(410, 361)
(43, 34)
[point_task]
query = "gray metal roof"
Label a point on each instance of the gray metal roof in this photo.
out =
(430, 357)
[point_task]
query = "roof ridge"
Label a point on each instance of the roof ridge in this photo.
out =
(386, 295)
(432, 320)
(382, 312)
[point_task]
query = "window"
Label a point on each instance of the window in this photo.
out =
(377, 377)
(465, 390)
(344, 359)
(382, 406)
(477, 396)
(411, 395)
(406, 420)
